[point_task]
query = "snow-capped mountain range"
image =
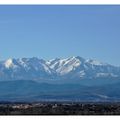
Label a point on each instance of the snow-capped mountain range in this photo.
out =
(71, 79)
(56, 69)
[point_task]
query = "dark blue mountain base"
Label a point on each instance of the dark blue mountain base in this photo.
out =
(31, 91)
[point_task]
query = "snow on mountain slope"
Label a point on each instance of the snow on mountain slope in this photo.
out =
(34, 63)
(24, 68)
(64, 66)
(95, 62)
(9, 63)
(69, 68)
(28, 64)
(78, 67)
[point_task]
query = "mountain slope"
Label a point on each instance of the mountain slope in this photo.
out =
(70, 79)
(64, 70)
(25, 90)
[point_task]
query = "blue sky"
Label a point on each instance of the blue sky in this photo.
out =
(60, 31)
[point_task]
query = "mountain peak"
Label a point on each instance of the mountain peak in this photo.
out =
(74, 67)
(95, 62)
(9, 63)
(80, 58)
